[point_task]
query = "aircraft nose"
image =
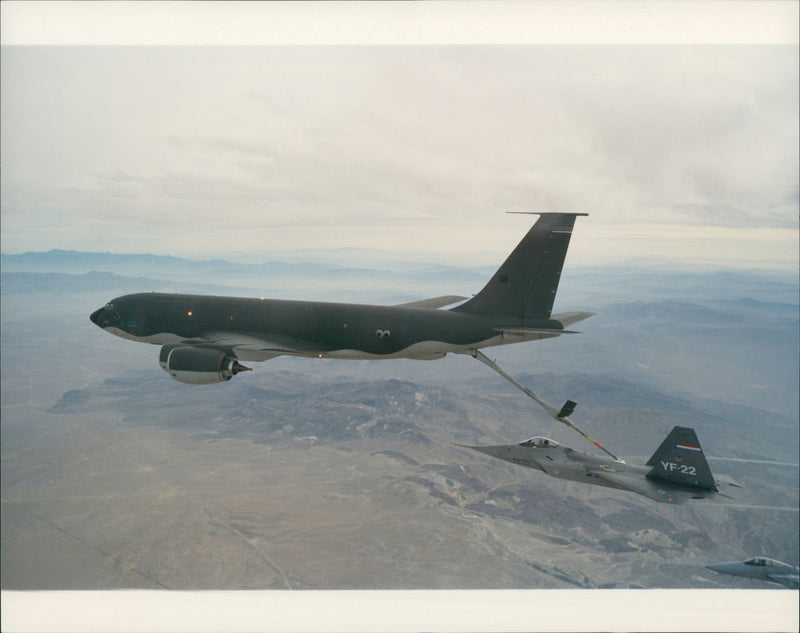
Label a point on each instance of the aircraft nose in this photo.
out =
(103, 317)
(720, 567)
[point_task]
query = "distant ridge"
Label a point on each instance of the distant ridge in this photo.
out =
(228, 273)
(127, 264)
(57, 260)
(61, 283)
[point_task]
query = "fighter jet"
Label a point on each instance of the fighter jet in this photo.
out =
(760, 568)
(204, 339)
(676, 473)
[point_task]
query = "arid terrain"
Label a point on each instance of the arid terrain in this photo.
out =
(310, 474)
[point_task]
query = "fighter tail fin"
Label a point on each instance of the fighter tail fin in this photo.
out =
(680, 460)
(524, 287)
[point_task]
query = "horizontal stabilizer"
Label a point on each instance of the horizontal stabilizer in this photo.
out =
(523, 331)
(432, 303)
(559, 321)
(728, 481)
(568, 318)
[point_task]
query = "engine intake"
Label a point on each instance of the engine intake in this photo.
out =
(198, 365)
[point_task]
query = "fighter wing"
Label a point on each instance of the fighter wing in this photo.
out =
(789, 580)
(640, 485)
(432, 303)
(616, 479)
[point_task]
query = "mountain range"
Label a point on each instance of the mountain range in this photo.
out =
(344, 475)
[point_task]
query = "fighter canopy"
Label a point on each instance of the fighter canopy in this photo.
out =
(540, 442)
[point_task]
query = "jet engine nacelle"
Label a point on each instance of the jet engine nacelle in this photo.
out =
(198, 365)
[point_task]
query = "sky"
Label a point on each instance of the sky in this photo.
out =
(241, 131)
(411, 128)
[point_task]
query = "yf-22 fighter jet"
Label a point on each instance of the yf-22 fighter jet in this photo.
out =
(676, 473)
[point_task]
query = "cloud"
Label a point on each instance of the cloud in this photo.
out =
(145, 148)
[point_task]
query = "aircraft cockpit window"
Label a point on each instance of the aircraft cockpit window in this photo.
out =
(112, 310)
(539, 442)
(759, 562)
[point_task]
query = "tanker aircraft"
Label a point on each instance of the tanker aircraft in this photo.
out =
(676, 473)
(760, 568)
(204, 339)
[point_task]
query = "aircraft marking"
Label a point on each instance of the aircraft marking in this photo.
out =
(681, 468)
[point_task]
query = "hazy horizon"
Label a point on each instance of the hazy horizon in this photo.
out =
(386, 259)
(679, 151)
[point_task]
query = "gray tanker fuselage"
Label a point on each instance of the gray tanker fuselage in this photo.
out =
(204, 338)
(305, 328)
